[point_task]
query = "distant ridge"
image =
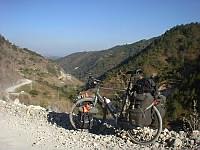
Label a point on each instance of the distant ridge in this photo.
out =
(99, 62)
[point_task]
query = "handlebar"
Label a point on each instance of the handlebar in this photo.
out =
(91, 78)
(92, 82)
(135, 72)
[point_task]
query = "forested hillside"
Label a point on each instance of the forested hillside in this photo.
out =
(98, 62)
(50, 85)
(175, 57)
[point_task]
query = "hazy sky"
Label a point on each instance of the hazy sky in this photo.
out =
(60, 27)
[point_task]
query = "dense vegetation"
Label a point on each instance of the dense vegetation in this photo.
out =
(99, 62)
(175, 57)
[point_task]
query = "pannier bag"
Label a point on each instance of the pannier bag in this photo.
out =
(145, 86)
(143, 93)
(137, 114)
(85, 117)
(86, 120)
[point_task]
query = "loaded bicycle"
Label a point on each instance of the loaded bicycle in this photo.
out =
(141, 120)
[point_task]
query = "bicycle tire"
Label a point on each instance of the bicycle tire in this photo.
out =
(135, 133)
(98, 118)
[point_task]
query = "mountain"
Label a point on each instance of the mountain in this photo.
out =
(98, 62)
(19, 63)
(52, 57)
(175, 57)
(48, 78)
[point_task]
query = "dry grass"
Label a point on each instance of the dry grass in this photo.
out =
(45, 96)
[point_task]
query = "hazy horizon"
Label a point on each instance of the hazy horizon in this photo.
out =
(59, 28)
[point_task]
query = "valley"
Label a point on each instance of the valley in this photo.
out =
(29, 81)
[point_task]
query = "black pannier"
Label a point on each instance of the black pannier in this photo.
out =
(144, 86)
(143, 93)
(137, 114)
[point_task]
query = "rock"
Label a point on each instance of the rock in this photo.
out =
(96, 137)
(145, 148)
(123, 135)
(155, 146)
(16, 101)
(177, 143)
(192, 142)
(177, 136)
(95, 144)
(2, 102)
(37, 124)
(84, 140)
(181, 133)
(165, 131)
(195, 134)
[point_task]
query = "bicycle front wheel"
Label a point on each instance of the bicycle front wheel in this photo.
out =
(79, 119)
(147, 134)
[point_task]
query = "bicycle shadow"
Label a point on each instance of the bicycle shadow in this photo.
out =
(62, 120)
(59, 119)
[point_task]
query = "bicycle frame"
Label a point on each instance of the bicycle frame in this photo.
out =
(98, 97)
(126, 100)
(123, 118)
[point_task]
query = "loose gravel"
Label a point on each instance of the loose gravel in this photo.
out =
(33, 127)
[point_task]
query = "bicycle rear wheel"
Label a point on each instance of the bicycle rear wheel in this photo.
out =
(96, 114)
(147, 134)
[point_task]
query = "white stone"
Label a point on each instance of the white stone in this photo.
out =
(177, 143)
(156, 144)
(192, 142)
(166, 130)
(16, 101)
(195, 134)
